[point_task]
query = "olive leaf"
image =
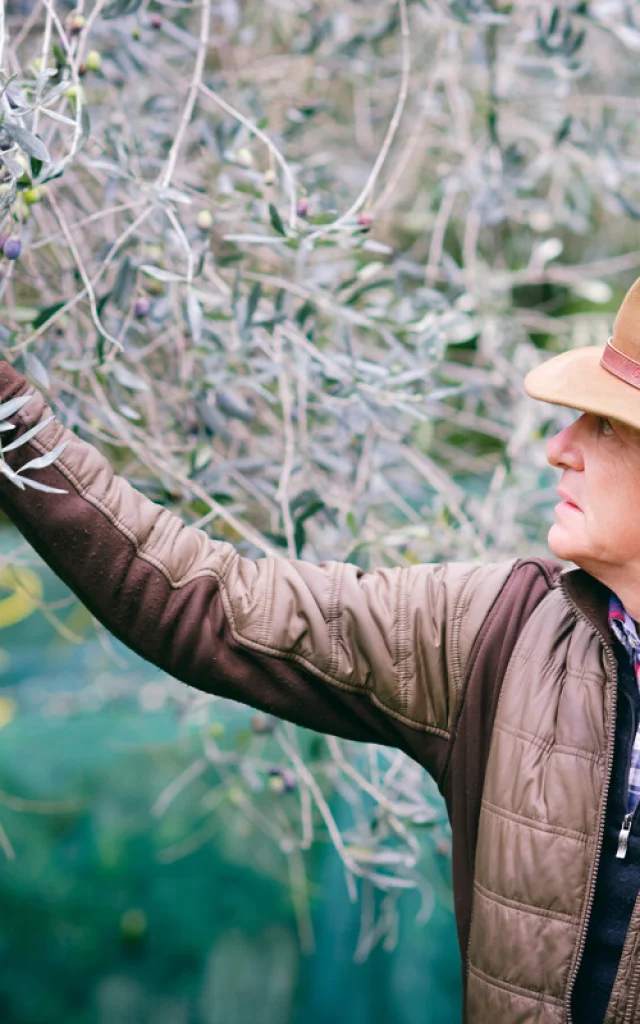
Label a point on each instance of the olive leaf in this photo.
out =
(45, 460)
(22, 482)
(46, 314)
(159, 274)
(7, 199)
(194, 314)
(276, 220)
(120, 7)
(29, 434)
(13, 165)
(42, 487)
(127, 378)
(31, 144)
(252, 303)
(233, 405)
(36, 370)
(13, 405)
(124, 283)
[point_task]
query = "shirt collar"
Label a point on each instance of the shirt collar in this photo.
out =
(624, 627)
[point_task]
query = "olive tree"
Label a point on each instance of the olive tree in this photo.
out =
(286, 263)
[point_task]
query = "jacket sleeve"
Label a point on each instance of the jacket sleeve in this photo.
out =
(373, 656)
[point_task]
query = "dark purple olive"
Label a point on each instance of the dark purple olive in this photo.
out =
(141, 307)
(302, 208)
(12, 247)
(156, 21)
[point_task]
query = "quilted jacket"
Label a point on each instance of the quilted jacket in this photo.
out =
(499, 679)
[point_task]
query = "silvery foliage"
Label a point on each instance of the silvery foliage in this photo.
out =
(8, 409)
(413, 204)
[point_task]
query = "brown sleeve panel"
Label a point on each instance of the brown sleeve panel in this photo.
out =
(182, 629)
(462, 780)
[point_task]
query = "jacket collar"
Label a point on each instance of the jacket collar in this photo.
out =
(590, 597)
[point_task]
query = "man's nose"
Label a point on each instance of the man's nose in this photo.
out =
(564, 449)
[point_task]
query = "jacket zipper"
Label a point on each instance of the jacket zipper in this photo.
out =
(627, 821)
(633, 994)
(623, 836)
(613, 698)
(635, 978)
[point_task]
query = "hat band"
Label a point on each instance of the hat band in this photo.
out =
(620, 365)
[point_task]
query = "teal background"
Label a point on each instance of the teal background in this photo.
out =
(219, 943)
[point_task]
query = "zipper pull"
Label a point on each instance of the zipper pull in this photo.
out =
(623, 837)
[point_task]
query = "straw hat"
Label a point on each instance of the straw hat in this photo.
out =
(604, 381)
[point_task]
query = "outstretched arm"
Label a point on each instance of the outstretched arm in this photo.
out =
(373, 656)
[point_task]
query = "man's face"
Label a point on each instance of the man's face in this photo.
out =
(601, 463)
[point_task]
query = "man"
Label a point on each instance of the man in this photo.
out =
(515, 684)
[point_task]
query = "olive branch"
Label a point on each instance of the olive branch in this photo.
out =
(8, 409)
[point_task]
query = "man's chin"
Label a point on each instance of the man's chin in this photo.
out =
(562, 546)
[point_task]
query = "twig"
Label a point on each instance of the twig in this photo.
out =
(205, 17)
(396, 117)
(175, 787)
(5, 843)
(273, 149)
(282, 494)
(83, 274)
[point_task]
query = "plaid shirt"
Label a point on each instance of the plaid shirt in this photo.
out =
(625, 629)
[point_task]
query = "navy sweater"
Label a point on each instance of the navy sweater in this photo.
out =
(618, 880)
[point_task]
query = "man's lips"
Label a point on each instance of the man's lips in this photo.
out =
(568, 500)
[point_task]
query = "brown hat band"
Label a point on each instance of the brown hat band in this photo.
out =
(622, 366)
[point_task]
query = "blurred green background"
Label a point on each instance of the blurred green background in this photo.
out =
(96, 929)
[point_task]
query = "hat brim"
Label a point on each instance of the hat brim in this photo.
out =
(575, 379)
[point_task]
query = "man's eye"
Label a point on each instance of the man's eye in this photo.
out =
(606, 426)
